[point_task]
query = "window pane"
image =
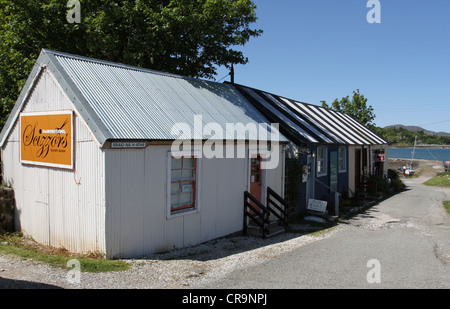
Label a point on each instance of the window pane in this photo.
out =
(188, 174)
(320, 153)
(342, 155)
(176, 175)
(174, 200)
(188, 163)
(176, 163)
(175, 188)
(187, 187)
(185, 198)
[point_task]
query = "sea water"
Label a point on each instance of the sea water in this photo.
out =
(420, 153)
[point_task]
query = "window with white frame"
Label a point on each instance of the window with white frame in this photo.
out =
(183, 183)
(342, 159)
(322, 161)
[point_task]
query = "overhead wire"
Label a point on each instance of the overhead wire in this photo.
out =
(223, 78)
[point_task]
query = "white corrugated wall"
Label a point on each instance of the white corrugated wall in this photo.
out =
(136, 197)
(61, 208)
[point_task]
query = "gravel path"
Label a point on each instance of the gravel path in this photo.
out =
(185, 268)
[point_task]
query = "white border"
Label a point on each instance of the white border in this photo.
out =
(36, 163)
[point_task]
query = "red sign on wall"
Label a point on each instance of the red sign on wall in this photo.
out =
(380, 157)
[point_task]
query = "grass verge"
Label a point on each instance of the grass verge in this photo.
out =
(447, 206)
(440, 180)
(28, 249)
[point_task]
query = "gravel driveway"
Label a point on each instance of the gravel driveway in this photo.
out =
(185, 268)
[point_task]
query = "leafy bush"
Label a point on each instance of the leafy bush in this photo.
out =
(382, 186)
(392, 174)
(397, 184)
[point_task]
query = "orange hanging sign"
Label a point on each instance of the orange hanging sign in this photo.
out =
(47, 139)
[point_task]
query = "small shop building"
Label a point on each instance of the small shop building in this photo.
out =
(109, 158)
(333, 152)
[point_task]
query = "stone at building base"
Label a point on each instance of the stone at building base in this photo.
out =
(7, 207)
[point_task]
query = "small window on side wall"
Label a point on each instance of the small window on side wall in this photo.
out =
(322, 161)
(183, 182)
(342, 160)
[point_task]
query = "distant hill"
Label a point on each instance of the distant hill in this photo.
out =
(401, 135)
(417, 129)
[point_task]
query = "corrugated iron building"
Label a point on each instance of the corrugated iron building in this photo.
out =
(338, 152)
(88, 151)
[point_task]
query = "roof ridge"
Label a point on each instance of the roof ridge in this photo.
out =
(120, 65)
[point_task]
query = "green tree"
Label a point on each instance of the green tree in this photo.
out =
(357, 108)
(191, 38)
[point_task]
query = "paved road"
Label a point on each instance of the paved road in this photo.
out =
(407, 236)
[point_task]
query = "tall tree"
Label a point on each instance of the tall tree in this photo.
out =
(357, 108)
(190, 38)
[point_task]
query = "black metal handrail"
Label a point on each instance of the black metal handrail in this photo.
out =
(259, 216)
(283, 211)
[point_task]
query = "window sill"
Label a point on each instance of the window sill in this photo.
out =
(182, 213)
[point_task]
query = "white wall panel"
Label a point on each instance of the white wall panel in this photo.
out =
(51, 206)
(125, 184)
(136, 201)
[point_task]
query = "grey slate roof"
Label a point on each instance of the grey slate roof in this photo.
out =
(120, 102)
(305, 123)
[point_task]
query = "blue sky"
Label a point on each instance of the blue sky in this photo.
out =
(313, 50)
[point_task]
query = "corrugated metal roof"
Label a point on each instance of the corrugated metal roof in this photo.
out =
(120, 102)
(310, 124)
(135, 103)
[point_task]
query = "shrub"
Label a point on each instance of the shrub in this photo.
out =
(382, 186)
(397, 184)
(393, 174)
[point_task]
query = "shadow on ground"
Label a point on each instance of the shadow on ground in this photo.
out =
(20, 284)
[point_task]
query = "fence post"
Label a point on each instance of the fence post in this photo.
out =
(336, 203)
(245, 214)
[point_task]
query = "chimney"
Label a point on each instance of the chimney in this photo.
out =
(232, 74)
